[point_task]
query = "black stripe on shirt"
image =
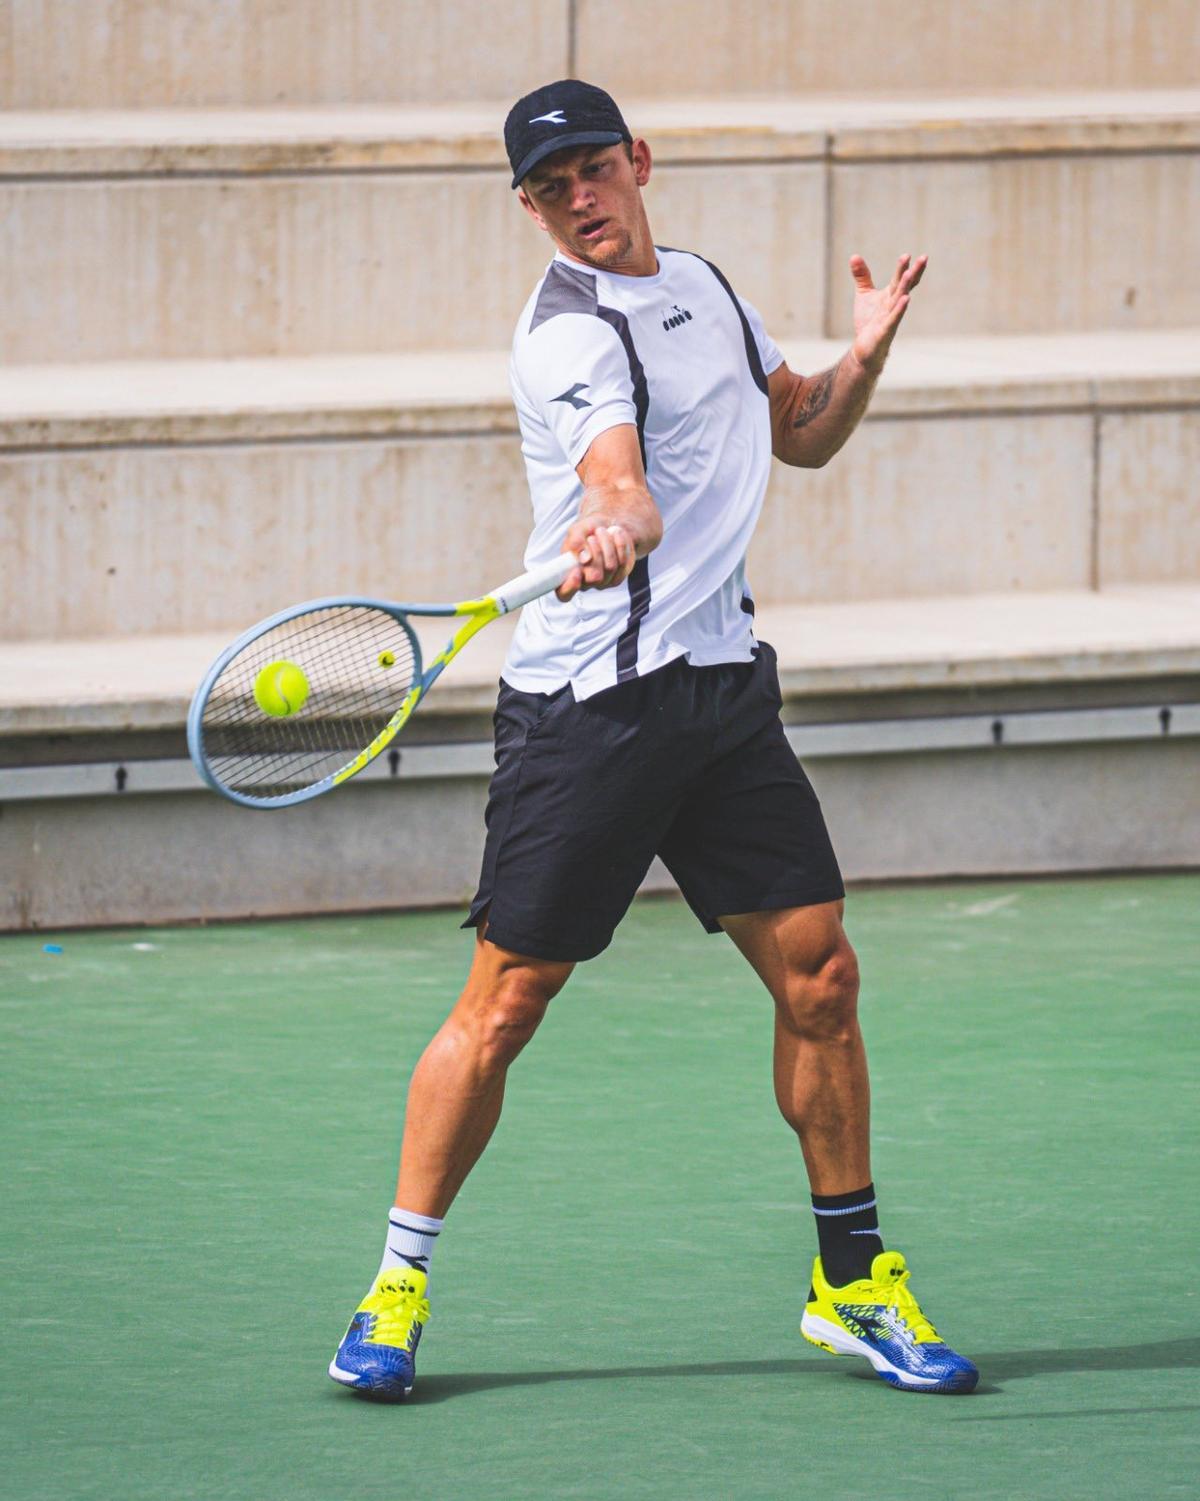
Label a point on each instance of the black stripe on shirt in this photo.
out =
(752, 354)
(639, 608)
(639, 579)
(637, 375)
(567, 290)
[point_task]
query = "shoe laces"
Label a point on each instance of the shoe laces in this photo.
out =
(901, 1300)
(396, 1306)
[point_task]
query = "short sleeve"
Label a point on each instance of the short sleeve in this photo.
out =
(575, 373)
(768, 351)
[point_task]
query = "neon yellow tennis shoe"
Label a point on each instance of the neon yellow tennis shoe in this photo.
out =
(879, 1319)
(376, 1357)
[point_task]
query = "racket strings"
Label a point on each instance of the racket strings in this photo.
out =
(359, 663)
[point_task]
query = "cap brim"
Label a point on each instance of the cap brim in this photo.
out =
(560, 143)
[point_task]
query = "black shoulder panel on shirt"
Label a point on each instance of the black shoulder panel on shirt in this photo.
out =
(564, 290)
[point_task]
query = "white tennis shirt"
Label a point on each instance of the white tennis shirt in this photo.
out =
(680, 356)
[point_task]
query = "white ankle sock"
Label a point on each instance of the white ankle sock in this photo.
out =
(410, 1240)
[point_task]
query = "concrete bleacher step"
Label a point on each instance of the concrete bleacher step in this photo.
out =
(142, 498)
(762, 46)
(128, 684)
(950, 736)
(204, 233)
(142, 53)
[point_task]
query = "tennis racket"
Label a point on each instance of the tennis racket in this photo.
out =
(351, 676)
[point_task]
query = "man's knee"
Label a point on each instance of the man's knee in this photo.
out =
(513, 1014)
(821, 995)
(505, 1005)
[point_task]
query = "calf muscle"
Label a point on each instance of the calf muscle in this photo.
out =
(457, 1088)
(820, 1065)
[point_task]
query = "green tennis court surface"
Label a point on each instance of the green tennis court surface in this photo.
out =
(201, 1128)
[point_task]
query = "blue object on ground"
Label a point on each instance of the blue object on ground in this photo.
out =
(52, 948)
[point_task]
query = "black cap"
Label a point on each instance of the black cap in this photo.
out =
(566, 113)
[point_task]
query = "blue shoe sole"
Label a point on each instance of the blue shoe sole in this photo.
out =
(838, 1341)
(958, 1385)
(380, 1394)
(381, 1391)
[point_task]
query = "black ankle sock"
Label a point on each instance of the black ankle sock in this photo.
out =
(847, 1234)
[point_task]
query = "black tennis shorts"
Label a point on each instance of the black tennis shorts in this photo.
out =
(690, 763)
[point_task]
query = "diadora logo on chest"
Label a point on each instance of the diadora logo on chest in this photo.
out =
(676, 316)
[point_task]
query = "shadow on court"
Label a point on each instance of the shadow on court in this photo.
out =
(1010, 1365)
(1156, 1355)
(439, 1388)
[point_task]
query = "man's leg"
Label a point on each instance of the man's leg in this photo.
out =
(859, 1303)
(457, 1088)
(454, 1102)
(803, 957)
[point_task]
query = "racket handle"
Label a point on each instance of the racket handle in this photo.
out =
(534, 584)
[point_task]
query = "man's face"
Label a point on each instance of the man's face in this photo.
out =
(589, 200)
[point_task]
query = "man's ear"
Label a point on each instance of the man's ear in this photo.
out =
(527, 204)
(642, 162)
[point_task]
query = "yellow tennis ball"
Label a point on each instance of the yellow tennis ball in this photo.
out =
(281, 689)
(387, 659)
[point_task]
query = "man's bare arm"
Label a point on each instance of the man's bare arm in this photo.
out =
(812, 416)
(618, 522)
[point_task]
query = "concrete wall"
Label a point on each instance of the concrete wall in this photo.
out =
(1020, 811)
(94, 54)
(130, 541)
(1149, 491)
(64, 54)
(896, 46)
(328, 262)
(958, 505)
(175, 858)
(1020, 246)
(134, 540)
(180, 857)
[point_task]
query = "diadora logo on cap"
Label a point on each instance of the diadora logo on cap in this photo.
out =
(555, 117)
(676, 316)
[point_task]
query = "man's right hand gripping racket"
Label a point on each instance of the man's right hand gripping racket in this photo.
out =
(303, 701)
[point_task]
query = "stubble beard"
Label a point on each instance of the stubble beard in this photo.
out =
(609, 253)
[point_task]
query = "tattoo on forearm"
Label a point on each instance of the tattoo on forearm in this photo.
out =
(815, 396)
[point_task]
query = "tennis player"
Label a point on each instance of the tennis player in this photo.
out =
(639, 715)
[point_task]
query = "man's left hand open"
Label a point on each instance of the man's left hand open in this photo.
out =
(878, 310)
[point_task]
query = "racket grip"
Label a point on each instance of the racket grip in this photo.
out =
(534, 584)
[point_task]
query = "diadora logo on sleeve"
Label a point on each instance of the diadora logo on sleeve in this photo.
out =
(555, 117)
(573, 397)
(676, 316)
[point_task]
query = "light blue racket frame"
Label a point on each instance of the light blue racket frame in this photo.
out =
(476, 613)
